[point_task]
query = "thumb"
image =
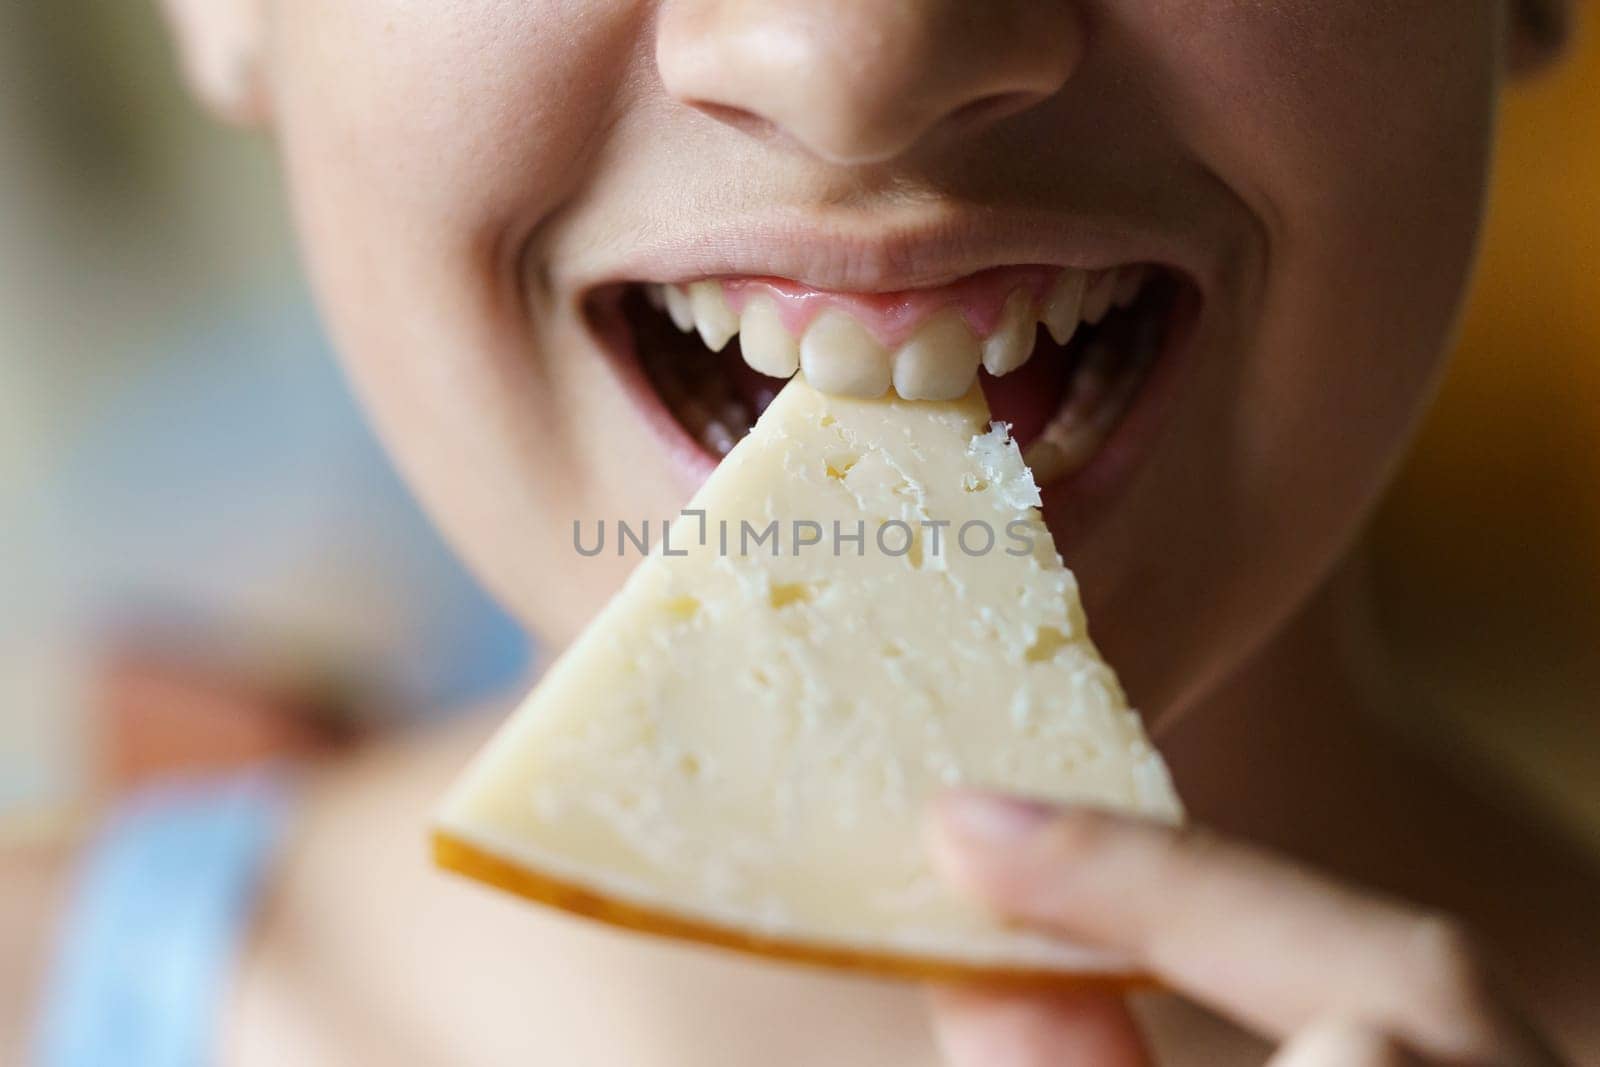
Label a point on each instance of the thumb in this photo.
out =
(979, 1027)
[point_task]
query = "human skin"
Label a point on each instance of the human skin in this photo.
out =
(446, 159)
(463, 174)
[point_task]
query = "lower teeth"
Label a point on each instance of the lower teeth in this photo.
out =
(1103, 387)
(718, 438)
(1072, 438)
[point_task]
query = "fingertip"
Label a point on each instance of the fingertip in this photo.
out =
(949, 858)
(986, 819)
(978, 839)
(973, 836)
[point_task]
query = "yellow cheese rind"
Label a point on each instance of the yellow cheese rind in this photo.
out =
(741, 746)
(463, 858)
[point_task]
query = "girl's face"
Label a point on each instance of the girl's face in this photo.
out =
(478, 181)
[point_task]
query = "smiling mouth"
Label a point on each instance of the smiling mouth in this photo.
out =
(1062, 353)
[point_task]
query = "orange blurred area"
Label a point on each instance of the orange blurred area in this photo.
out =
(162, 715)
(1488, 549)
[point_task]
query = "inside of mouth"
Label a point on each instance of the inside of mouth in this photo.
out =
(1062, 403)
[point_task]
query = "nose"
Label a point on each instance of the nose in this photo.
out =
(863, 81)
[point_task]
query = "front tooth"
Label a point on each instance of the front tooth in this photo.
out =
(1129, 281)
(657, 296)
(1011, 343)
(1097, 296)
(768, 347)
(838, 355)
(1064, 306)
(939, 362)
(678, 307)
(712, 316)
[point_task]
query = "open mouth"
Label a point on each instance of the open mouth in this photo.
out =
(1062, 353)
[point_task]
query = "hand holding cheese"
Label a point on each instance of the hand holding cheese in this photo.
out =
(741, 747)
(1225, 925)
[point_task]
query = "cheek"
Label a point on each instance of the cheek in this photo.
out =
(464, 114)
(1371, 152)
(425, 144)
(1358, 132)
(1358, 135)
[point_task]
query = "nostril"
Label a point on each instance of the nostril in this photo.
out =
(741, 119)
(992, 108)
(858, 84)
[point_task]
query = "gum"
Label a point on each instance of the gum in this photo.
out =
(892, 318)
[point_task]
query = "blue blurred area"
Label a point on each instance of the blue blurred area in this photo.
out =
(235, 491)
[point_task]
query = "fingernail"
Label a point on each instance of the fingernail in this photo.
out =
(993, 818)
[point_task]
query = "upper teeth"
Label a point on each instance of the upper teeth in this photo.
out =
(1097, 296)
(1011, 343)
(678, 307)
(1063, 308)
(767, 345)
(938, 362)
(712, 316)
(839, 355)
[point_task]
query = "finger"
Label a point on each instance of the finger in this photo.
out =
(1341, 1044)
(997, 1028)
(1258, 938)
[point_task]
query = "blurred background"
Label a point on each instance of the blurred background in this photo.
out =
(1488, 548)
(197, 533)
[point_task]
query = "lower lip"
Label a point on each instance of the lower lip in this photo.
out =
(1070, 503)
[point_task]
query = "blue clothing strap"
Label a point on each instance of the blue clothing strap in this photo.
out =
(153, 933)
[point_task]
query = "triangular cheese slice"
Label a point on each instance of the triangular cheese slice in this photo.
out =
(741, 747)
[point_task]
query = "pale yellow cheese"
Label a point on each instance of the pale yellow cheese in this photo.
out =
(742, 746)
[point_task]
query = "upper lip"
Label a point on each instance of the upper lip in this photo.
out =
(846, 254)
